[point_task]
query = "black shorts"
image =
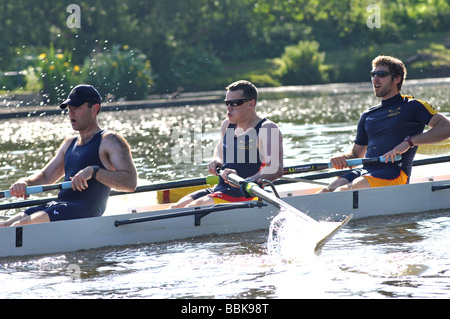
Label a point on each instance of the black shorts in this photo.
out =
(60, 210)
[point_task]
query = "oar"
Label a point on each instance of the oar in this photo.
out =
(427, 161)
(253, 190)
(212, 180)
(39, 189)
(209, 180)
(322, 166)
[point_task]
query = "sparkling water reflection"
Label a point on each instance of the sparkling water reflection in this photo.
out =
(402, 256)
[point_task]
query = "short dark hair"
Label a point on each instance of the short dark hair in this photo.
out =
(395, 66)
(90, 105)
(249, 89)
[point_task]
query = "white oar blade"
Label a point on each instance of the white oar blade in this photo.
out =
(330, 235)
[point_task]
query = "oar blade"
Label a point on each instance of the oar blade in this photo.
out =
(329, 235)
(254, 190)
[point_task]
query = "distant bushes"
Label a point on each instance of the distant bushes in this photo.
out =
(189, 42)
(120, 73)
(56, 74)
(195, 70)
(302, 64)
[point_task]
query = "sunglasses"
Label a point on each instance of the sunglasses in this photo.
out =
(236, 102)
(381, 74)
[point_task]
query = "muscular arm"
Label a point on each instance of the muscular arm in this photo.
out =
(271, 148)
(120, 172)
(50, 174)
(218, 151)
(439, 131)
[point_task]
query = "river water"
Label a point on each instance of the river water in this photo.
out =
(403, 256)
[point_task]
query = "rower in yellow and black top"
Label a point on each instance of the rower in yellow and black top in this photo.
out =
(392, 128)
(387, 125)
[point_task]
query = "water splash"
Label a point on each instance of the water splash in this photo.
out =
(291, 238)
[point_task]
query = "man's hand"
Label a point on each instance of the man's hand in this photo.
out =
(225, 174)
(212, 166)
(339, 162)
(398, 150)
(80, 180)
(18, 189)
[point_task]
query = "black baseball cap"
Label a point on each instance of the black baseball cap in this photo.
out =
(80, 94)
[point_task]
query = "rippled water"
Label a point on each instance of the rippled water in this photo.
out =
(404, 256)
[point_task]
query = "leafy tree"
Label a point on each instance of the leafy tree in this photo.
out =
(302, 64)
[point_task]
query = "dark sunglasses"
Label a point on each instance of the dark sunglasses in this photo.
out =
(236, 102)
(381, 74)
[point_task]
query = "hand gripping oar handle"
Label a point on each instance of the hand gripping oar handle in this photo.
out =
(254, 190)
(39, 189)
(321, 166)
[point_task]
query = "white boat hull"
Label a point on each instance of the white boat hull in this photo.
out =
(90, 233)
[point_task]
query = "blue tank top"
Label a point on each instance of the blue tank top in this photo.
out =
(78, 157)
(242, 155)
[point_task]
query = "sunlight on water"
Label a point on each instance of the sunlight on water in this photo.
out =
(393, 257)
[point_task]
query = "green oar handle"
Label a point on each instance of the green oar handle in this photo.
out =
(239, 181)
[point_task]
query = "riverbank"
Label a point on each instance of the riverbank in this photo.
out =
(16, 108)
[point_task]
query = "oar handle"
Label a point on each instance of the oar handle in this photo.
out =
(238, 181)
(39, 189)
(361, 161)
(322, 166)
(252, 189)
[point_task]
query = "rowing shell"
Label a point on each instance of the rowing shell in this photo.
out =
(113, 228)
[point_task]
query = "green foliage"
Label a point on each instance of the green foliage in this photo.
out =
(195, 70)
(302, 64)
(56, 74)
(121, 72)
(264, 80)
(187, 41)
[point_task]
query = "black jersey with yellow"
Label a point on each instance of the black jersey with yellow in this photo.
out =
(385, 126)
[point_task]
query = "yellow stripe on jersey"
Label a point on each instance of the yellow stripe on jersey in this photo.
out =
(428, 106)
